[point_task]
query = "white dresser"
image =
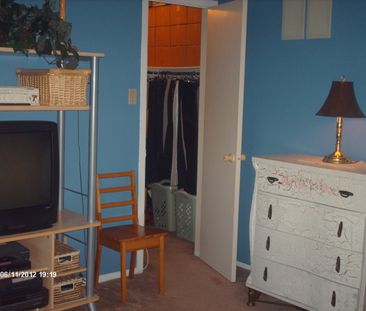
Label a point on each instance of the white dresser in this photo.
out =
(307, 232)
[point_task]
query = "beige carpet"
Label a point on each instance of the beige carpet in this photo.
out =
(190, 285)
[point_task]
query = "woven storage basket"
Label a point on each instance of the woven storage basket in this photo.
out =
(66, 257)
(67, 288)
(64, 87)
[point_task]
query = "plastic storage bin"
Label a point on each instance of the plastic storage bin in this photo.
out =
(185, 211)
(162, 196)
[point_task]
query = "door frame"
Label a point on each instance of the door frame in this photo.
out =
(143, 116)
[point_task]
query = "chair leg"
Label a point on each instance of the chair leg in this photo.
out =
(132, 265)
(122, 253)
(161, 265)
(97, 264)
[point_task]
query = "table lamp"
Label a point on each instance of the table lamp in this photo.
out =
(340, 103)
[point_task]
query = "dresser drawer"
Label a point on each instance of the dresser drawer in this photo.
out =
(334, 264)
(316, 186)
(301, 286)
(332, 226)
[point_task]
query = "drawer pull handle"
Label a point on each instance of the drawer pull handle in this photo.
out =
(340, 229)
(268, 243)
(345, 194)
(271, 180)
(64, 259)
(265, 274)
(270, 211)
(338, 264)
(67, 288)
(333, 302)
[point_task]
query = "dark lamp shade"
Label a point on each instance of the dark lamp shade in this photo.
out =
(341, 102)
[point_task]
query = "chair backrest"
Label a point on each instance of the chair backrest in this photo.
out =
(123, 183)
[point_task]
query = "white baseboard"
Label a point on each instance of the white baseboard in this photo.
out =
(109, 276)
(243, 265)
(114, 275)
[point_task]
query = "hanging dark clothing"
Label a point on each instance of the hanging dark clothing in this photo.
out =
(172, 131)
(188, 136)
(165, 161)
(154, 142)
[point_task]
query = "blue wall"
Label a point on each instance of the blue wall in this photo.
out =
(286, 83)
(113, 28)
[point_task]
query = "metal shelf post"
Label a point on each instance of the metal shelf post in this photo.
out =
(93, 140)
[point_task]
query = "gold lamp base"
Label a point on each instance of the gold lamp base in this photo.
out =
(337, 158)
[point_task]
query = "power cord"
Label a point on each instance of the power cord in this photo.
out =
(147, 258)
(81, 179)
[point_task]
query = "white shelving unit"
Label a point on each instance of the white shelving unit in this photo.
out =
(41, 242)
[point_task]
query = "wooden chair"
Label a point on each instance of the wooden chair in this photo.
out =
(124, 238)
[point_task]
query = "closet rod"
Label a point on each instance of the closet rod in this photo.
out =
(182, 75)
(175, 69)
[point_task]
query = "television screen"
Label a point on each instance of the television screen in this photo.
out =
(26, 171)
(28, 175)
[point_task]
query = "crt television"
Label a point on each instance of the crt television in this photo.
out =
(29, 175)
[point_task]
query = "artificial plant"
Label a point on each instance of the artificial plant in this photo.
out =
(25, 27)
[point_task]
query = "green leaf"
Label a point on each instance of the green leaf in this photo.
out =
(24, 26)
(41, 45)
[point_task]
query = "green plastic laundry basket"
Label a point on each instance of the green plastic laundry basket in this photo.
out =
(185, 211)
(163, 204)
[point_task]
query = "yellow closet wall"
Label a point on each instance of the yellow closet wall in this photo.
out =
(174, 36)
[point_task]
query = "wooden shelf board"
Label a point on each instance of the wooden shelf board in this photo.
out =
(33, 52)
(71, 271)
(40, 108)
(67, 221)
(74, 303)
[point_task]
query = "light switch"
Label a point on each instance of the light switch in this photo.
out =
(132, 96)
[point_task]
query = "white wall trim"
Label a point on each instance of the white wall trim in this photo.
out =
(115, 275)
(201, 127)
(109, 276)
(243, 265)
(142, 123)
(143, 105)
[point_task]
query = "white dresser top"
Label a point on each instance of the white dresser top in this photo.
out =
(316, 162)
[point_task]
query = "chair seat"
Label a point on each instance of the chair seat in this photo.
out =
(129, 234)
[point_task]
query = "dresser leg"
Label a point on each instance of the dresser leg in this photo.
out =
(253, 295)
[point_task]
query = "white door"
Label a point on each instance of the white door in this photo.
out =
(221, 100)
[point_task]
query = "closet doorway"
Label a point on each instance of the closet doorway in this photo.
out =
(222, 67)
(174, 44)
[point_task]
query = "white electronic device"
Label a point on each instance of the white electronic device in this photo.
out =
(19, 95)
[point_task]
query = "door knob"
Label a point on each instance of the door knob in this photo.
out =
(230, 157)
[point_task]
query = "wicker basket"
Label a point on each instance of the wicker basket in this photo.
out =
(64, 87)
(67, 288)
(66, 257)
